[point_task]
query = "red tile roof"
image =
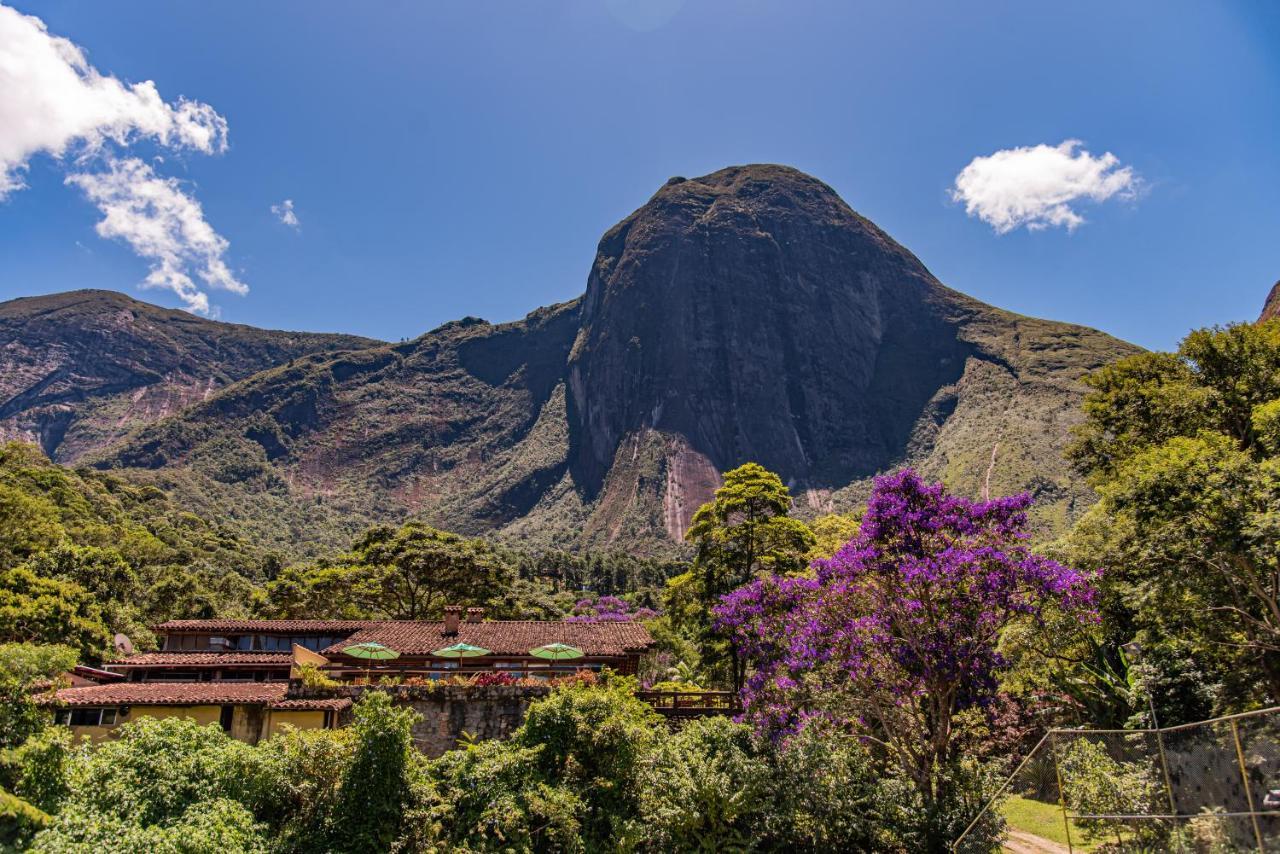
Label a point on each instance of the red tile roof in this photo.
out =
(277, 626)
(336, 704)
(179, 660)
(171, 694)
(507, 638)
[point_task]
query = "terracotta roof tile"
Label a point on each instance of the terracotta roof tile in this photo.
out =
(281, 626)
(336, 704)
(170, 694)
(512, 637)
(202, 659)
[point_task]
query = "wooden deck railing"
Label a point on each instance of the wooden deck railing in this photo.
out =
(691, 704)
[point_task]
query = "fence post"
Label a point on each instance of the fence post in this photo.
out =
(1062, 792)
(1164, 766)
(1248, 792)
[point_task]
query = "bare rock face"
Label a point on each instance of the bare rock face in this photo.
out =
(749, 314)
(754, 314)
(1271, 308)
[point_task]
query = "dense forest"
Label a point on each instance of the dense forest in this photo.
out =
(894, 661)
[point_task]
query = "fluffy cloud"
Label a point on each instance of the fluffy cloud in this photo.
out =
(162, 224)
(284, 213)
(53, 102)
(1036, 186)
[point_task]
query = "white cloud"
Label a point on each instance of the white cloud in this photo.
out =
(162, 224)
(53, 102)
(284, 213)
(1036, 186)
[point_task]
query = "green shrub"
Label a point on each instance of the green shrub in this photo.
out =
(377, 785)
(492, 797)
(39, 768)
(19, 822)
(704, 789)
(593, 739)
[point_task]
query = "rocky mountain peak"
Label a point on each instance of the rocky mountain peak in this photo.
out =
(1271, 308)
(752, 314)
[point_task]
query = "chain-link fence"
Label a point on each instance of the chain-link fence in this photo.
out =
(1210, 787)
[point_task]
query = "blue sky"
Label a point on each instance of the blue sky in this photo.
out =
(445, 161)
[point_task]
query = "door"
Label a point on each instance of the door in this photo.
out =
(228, 712)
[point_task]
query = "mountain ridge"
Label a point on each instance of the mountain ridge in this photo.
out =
(746, 314)
(83, 368)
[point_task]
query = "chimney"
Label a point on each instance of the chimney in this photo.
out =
(475, 615)
(451, 615)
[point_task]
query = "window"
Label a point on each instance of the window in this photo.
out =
(86, 717)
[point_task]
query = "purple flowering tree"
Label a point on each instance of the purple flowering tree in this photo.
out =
(608, 609)
(899, 631)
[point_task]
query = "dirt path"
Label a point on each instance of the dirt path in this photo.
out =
(1027, 843)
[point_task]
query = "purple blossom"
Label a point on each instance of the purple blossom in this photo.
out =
(900, 626)
(608, 609)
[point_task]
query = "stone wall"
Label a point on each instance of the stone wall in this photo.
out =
(448, 711)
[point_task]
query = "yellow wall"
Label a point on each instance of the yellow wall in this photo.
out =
(301, 720)
(202, 715)
(246, 724)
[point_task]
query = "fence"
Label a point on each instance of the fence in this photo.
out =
(1210, 787)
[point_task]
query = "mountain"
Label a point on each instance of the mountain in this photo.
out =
(81, 369)
(1271, 308)
(746, 314)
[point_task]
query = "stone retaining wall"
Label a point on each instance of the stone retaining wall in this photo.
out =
(448, 711)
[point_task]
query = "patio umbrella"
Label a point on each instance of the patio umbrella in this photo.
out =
(556, 652)
(370, 651)
(460, 650)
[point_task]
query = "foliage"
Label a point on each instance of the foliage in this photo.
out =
(293, 785)
(897, 634)
(22, 668)
(38, 768)
(376, 785)
(48, 611)
(216, 826)
(742, 532)
(704, 789)
(1181, 448)
(313, 677)
(830, 532)
(19, 822)
(1097, 784)
(493, 797)
(592, 740)
(409, 573)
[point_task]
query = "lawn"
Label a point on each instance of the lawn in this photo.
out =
(1043, 820)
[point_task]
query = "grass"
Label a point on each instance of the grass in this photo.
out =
(1043, 820)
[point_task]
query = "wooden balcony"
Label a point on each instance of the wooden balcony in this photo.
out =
(692, 704)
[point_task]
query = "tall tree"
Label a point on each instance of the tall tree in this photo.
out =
(1184, 450)
(897, 634)
(743, 531)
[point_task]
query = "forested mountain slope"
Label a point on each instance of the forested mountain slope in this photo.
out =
(745, 315)
(79, 370)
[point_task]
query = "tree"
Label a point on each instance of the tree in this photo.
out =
(420, 569)
(593, 739)
(744, 531)
(409, 573)
(22, 667)
(1184, 451)
(897, 633)
(376, 785)
(49, 611)
(103, 572)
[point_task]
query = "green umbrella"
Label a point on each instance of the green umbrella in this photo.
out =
(556, 652)
(370, 651)
(460, 650)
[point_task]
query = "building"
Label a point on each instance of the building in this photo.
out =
(240, 673)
